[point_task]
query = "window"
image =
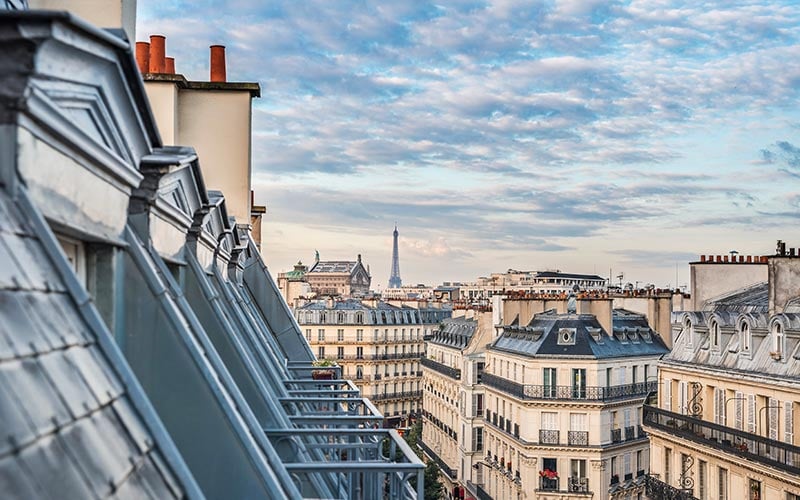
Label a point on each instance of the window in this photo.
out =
(788, 423)
(713, 331)
(667, 465)
(702, 472)
(340, 335)
(359, 372)
(779, 341)
(477, 439)
(738, 409)
(751, 413)
(579, 383)
(321, 335)
(609, 372)
(308, 334)
(477, 405)
(722, 483)
(340, 353)
(745, 338)
(549, 421)
(549, 382)
(683, 392)
(719, 406)
(577, 468)
(634, 374)
(359, 335)
(321, 352)
(359, 352)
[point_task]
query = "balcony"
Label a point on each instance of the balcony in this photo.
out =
(741, 444)
(445, 370)
(578, 438)
(656, 489)
(569, 393)
(548, 484)
(578, 485)
(616, 435)
(396, 395)
(549, 436)
(450, 471)
(630, 433)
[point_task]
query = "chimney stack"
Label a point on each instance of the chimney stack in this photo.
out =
(218, 63)
(169, 65)
(157, 53)
(143, 56)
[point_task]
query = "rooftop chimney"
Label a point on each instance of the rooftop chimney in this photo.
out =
(157, 53)
(143, 56)
(169, 65)
(218, 63)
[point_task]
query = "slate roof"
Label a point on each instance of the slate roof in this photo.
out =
(632, 337)
(554, 274)
(753, 298)
(455, 332)
(70, 427)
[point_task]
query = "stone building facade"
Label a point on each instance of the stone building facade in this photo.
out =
(729, 400)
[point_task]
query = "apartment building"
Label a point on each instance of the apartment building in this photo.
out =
(453, 398)
(564, 385)
(533, 282)
(723, 426)
(378, 346)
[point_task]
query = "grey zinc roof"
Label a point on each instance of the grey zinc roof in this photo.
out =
(71, 428)
(455, 332)
(753, 298)
(540, 337)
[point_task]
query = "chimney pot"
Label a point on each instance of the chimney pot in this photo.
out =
(218, 73)
(169, 65)
(143, 56)
(749, 259)
(702, 258)
(719, 258)
(157, 53)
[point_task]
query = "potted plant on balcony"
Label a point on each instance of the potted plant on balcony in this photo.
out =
(323, 369)
(549, 474)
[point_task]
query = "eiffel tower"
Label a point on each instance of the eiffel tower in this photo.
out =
(394, 279)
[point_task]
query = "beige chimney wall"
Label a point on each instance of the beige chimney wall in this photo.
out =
(102, 13)
(601, 308)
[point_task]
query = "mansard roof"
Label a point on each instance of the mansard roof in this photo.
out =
(581, 335)
(334, 266)
(455, 332)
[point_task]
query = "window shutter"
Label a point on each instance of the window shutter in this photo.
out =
(668, 394)
(739, 409)
(788, 422)
(774, 415)
(751, 413)
(682, 392)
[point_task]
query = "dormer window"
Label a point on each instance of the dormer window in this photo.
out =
(778, 341)
(688, 330)
(566, 336)
(714, 335)
(745, 337)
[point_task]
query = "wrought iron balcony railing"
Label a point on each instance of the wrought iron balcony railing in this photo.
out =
(453, 373)
(396, 395)
(549, 436)
(616, 435)
(655, 489)
(578, 438)
(548, 484)
(578, 485)
(451, 472)
(630, 433)
(569, 393)
(769, 452)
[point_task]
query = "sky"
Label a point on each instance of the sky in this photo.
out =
(585, 136)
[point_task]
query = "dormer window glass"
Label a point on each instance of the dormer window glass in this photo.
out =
(714, 333)
(779, 341)
(745, 338)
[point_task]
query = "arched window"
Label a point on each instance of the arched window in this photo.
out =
(714, 333)
(779, 340)
(688, 331)
(744, 336)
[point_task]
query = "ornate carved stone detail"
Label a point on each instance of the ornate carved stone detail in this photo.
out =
(528, 461)
(598, 464)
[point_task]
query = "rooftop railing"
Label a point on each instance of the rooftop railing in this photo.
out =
(453, 373)
(739, 443)
(364, 463)
(397, 395)
(569, 393)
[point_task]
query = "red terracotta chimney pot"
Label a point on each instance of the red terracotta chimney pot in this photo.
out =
(143, 56)
(218, 73)
(157, 52)
(169, 65)
(702, 258)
